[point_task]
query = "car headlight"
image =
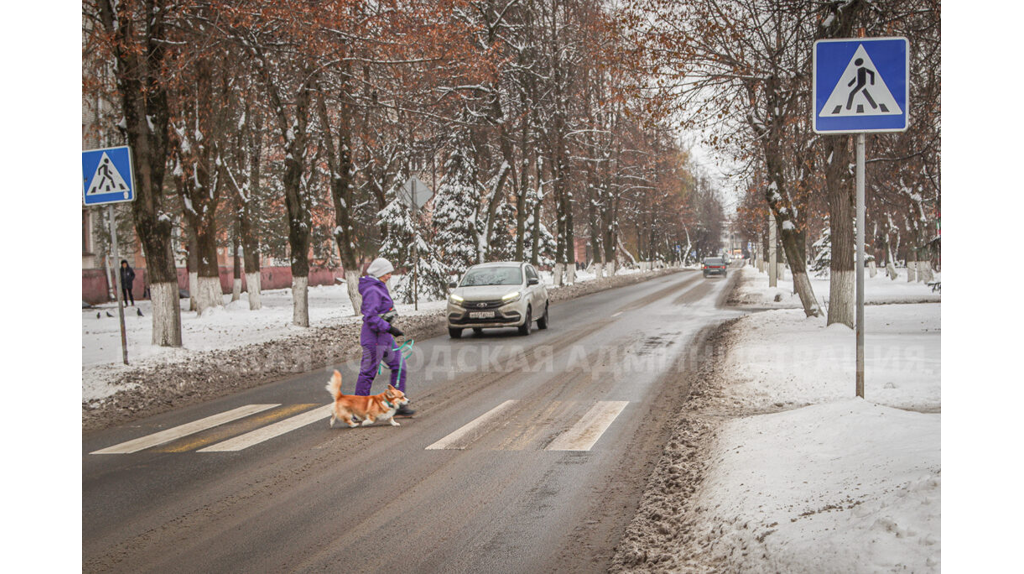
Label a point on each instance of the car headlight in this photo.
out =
(511, 297)
(455, 299)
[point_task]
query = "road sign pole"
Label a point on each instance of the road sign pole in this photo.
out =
(117, 281)
(860, 265)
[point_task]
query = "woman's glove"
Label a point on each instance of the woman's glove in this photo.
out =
(394, 331)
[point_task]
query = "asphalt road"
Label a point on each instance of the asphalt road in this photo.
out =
(527, 454)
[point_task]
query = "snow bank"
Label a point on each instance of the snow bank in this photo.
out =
(781, 359)
(842, 484)
(753, 290)
(846, 486)
(776, 465)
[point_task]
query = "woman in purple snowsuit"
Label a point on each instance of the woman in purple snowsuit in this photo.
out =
(377, 335)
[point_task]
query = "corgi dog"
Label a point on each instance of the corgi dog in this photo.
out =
(368, 409)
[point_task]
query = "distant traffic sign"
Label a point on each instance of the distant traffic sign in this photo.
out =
(861, 85)
(107, 176)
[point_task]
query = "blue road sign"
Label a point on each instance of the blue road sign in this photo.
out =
(861, 85)
(107, 176)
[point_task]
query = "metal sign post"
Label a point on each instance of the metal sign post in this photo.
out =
(107, 178)
(861, 86)
(117, 281)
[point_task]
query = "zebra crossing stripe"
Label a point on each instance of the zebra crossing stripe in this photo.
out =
(457, 440)
(268, 432)
(586, 432)
(177, 432)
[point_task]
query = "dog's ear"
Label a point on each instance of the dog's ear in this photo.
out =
(391, 388)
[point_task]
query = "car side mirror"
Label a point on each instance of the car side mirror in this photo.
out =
(452, 284)
(533, 281)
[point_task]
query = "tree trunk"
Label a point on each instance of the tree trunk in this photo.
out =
(841, 205)
(339, 158)
(253, 288)
(300, 294)
(144, 103)
(236, 289)
(792, 237)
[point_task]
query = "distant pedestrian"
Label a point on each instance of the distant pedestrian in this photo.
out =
(127, 278)
(377, 336)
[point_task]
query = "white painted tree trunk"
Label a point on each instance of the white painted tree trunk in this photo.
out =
(841, 303)
(236, 290)
(872, 268)
(611, 269)
(890, 269)
(911, 268)
(300, 301)
(193, 291)
(598, 270)
(570, 274)
(924, 271)
(166, 314)
(252, 286)
(210, 294)
(558, 270)
(352, 284)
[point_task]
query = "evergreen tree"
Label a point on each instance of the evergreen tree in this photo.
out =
(503, 241)
(455, 207)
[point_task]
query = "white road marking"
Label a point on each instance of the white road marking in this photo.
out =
(589, 429)
(617, 314)
(453, 441)
(268, 432)
(177, 432)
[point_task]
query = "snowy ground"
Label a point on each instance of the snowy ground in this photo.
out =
(753, 290)
(780, 468)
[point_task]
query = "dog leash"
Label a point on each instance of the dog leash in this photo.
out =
(405, 350)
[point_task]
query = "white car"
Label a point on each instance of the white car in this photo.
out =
(494, 295)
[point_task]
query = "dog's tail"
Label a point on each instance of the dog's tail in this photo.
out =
(334, 387)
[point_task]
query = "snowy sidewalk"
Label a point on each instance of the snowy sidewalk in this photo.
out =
(778, 467)
(753, 290)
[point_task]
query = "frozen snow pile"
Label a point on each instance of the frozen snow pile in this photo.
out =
(753, 290)
(781, 359)
(845, 486)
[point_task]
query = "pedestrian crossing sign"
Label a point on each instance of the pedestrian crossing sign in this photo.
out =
(107, 176)
(861, 85)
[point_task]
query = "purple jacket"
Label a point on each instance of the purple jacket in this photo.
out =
(376, 301)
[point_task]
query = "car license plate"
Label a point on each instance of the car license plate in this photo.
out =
(481, 314)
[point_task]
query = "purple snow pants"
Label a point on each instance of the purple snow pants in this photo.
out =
(373, 354)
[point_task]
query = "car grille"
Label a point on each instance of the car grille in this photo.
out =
(482, 305)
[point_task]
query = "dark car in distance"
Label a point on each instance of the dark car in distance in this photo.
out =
(714, 266)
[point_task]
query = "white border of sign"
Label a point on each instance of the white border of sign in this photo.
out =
(814, 87)
(131, 174)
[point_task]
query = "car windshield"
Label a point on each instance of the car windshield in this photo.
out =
(714, 261)
(492, 276)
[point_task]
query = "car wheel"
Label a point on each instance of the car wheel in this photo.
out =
(477, 331)
(524, 329)
(542, 323)
(454, 333)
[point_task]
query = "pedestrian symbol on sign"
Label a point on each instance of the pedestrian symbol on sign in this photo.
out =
(860, 91)
(107, 179)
